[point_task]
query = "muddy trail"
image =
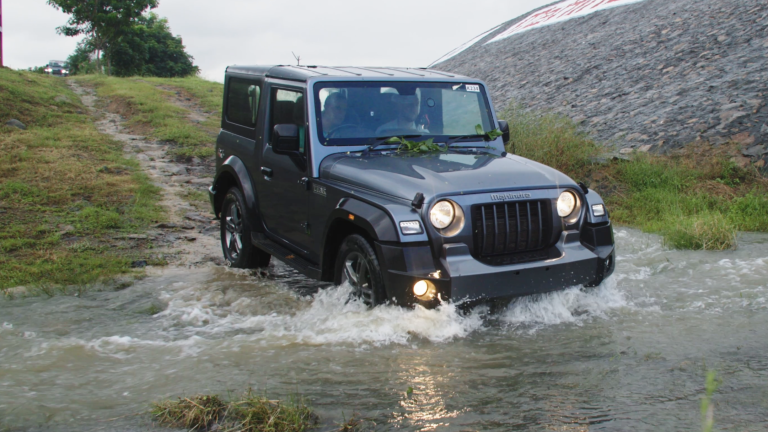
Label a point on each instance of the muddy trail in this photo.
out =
(629, 355)
(190, 237)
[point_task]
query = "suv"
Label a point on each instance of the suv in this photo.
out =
(396, 181)
(57, 67)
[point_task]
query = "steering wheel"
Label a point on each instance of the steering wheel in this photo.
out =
(333, 132)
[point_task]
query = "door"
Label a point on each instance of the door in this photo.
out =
(283, 179)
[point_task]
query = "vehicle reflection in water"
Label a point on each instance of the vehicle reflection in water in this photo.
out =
(629, 355)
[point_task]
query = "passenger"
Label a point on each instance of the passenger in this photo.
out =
(334, 112)
(407, 107)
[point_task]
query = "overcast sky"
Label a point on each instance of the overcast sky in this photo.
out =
(327, 32)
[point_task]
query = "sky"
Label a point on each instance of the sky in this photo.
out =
(405, 33)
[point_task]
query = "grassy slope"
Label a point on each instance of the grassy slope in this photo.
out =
(696, 199)
(151, 111)
(60, 179)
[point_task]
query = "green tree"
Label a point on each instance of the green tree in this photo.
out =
(103, 21)
(150, 49)
(80, 62)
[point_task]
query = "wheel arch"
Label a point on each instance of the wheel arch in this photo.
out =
(352, 216)
(234, 173)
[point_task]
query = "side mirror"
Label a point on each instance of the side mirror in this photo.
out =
(285, 138)
(504, 128)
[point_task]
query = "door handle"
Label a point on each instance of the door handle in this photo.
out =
(267, 172)
(304, 182)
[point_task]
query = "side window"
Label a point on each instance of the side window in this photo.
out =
(243, 102)
(288, 108)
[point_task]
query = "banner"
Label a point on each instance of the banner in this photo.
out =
(559, 12)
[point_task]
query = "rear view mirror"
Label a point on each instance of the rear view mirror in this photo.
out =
(285, 138)
(504, 128)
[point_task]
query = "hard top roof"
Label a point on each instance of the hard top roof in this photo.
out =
(303, 73)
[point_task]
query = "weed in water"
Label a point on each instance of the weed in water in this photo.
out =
(707, 406)
(246, 413)
(196, 412)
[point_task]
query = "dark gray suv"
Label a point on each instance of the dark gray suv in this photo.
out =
(396, 181)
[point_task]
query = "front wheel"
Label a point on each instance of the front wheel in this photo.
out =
(236, 244)
(357, 264)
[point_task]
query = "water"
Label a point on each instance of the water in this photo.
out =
(631, 354)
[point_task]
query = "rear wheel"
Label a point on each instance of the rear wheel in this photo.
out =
(236, 244)
(357, 264)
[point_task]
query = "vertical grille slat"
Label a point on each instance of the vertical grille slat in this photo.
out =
(541, 238)
(526, 228)
(506, 233)
(517, 216)
(495, 230)
(482, 248)
(530, 227)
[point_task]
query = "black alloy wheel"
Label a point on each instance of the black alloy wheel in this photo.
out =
(357, 264)
(236, 244)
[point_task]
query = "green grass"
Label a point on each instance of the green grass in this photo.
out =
(65, 189)
(151, 112)
(244, 413)
(696, 198)
(551, 139)
(209, 94)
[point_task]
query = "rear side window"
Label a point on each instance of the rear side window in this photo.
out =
(243, 102)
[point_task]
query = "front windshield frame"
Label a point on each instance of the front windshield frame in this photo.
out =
(486, 111)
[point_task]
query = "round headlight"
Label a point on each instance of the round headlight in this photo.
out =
(442, 214)
(566, 203)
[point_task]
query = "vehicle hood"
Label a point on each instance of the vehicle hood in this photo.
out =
(404, 174)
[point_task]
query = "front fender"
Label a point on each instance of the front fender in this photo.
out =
(376, 222)
(593, 198)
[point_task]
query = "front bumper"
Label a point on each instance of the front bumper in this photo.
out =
(462, 278)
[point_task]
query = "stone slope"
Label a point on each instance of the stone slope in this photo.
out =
(650, 75)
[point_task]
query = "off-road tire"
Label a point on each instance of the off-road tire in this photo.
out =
(357, 260)
(236, 244)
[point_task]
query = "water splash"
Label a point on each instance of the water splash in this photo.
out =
(328, 317)
(573, 305)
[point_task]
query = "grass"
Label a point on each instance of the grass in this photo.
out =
(151, 111)
(65, 189)
(695, 198)
(245, 413)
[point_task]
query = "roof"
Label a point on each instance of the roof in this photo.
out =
(302, 73)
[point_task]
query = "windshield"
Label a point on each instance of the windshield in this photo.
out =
(356, 113)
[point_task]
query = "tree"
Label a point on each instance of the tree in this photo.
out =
(80, 62)
(150, 49)
(103, 21)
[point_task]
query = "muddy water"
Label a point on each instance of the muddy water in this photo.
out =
(629, 355)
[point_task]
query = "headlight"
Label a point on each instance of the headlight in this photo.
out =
(566, 203)
(442, 214)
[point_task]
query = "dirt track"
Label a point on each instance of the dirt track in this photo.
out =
(190, 237)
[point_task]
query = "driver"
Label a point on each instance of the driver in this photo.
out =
(334, 112)
(407, 112)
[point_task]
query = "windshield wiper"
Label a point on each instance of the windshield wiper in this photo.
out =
(464, 137)
(383, 140)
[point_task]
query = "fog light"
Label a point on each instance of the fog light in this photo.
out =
(598, 210)
(608, 263)
(420, 288)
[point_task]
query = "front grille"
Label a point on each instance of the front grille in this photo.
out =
(511, 229)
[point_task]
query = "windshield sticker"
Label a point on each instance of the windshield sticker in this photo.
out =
(473, 88)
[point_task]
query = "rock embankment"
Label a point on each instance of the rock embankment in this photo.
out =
(652, 75)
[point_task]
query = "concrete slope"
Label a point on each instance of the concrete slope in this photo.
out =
(654, 74)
